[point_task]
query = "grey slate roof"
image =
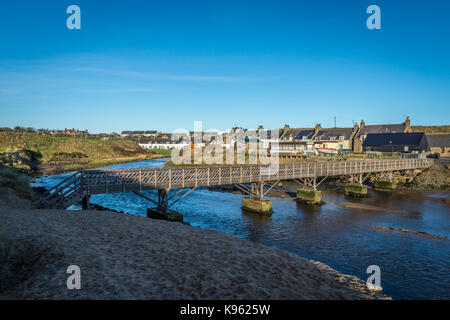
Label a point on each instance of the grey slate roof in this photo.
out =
(393, 139)
(327, 134)
(438, 140)
(267, 134)
(297, 133)
(382, 128)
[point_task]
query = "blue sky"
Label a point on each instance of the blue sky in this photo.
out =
(163, 64)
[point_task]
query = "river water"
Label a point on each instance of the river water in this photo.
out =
(412, 267)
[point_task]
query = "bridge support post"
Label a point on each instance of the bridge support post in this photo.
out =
(309, 193)
(162, 211)
(256, 202)
(385, 186)
(356, 188)
(256, 205)
(85, 202)
(309, 196)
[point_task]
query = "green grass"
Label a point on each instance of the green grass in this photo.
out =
(48, 146)
(62, 150)
(14, 179)
(160, 152)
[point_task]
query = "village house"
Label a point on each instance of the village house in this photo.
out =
(318, 139)
(439, 143)
(296, 140)
(365, 130)
(163, 143)
(70, 133)
(148, 133)
(268, 138)
(332, 140)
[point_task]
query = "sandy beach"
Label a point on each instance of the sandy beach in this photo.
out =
(127, 257)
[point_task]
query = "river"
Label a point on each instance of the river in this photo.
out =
(412, 267)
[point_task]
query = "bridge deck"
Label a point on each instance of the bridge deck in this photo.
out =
(109, 181)
(112, 181)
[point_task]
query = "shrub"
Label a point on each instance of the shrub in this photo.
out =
(14, 179)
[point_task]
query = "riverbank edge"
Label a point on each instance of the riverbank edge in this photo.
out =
(19, 215)
(55, 169)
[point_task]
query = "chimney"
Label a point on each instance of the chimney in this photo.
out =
(286, 127)
(407, 124)
(362, 124)
(355, 127)
(318, 127)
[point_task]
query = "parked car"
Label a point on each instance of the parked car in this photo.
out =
(433, 156)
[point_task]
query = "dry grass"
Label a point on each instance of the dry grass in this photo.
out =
(14, 179)
(47, 146)
(431, 129)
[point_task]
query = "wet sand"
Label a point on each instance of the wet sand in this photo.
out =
(353, 205)
(417, 233)
(129, 257)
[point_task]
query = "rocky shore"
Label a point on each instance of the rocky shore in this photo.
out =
(128, 257)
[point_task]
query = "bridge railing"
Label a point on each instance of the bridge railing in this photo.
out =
(105, 181)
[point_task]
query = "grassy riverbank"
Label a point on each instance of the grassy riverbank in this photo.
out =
(51, 155)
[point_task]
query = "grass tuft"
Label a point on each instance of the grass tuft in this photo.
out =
(14, 179)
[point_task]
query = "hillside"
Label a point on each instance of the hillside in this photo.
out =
(47, 146)
(28, 150)
(431, 129)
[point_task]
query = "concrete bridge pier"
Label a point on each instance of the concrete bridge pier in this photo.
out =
(85, 202)
(356, 187)
(162, 211)
(256, 202)
(309, 193)
(385, 186)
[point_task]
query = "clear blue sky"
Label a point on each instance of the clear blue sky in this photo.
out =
(163, 64)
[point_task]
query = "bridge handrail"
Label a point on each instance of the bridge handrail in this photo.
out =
(203, 173)
(136, 170)
(100, 181)
(59, 189)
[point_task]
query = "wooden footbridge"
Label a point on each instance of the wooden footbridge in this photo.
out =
(251, 179)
